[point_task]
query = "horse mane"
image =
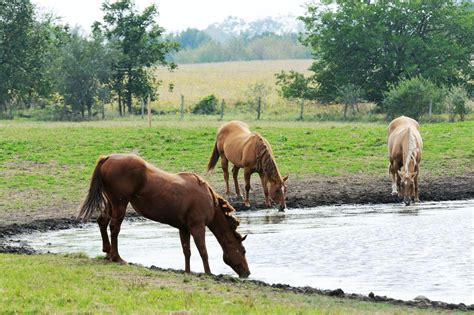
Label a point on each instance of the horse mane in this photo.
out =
(227, 209)
(222, 204)
(411, 155)
(265, 160)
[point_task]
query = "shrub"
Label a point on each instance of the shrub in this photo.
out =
(206, 106)
(456, 103)
(412, 97)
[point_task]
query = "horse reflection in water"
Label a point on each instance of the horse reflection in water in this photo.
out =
(404, 149)
(184, 201)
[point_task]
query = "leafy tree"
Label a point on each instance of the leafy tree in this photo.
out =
(294, 85)
(83, 73)
(349, 95)
(412, 97)
(372, 44)
(138, 38)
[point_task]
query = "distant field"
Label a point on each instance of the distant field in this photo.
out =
(227, 80)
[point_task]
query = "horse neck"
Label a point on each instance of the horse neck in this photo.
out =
(267, 164)
(222, 230)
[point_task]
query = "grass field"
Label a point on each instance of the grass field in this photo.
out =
(75, 284)
(48, 165)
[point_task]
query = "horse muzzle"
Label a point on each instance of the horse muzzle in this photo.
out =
(244, 274)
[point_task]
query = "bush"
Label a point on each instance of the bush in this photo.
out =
(412, 97)
(206, 106)
(456, 103)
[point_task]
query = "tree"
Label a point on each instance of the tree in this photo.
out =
(83, 72)
(192, 38)
(137, 37)
(349, 95)
(456, 100)
(372, 44)
(294, 85)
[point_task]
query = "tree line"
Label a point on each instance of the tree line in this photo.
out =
(198, 47)
(408, 57)
(48, 65)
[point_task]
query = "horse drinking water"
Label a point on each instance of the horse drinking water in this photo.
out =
(404, 150)
(250, 151)
(184, 201)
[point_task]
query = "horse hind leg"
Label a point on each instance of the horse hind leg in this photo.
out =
(199, 233)
(235, 173)
(117, 216)
(185, 243)
(247, 174)
(395, 182)
(103, 220)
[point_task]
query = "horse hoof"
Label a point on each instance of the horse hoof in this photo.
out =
(394, 193)
(247, 204)
(119, 260)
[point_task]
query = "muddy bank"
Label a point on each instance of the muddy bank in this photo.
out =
(359, 189)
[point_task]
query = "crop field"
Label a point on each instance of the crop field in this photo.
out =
(48, 165)
(226, 80)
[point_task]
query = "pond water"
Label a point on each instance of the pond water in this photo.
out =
(393, 250)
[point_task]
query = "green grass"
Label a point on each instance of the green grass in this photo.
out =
(75, 284)
(48, 165)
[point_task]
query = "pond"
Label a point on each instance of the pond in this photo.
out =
(393, 250)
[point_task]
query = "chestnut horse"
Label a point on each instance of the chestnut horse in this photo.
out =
(250, 151)
(184, 201)
(404, 150)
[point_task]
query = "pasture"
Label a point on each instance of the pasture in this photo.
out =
(46, 167)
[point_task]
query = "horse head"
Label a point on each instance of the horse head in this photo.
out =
(407, 183)
(234, 251)
(277, 191)
(234, 256)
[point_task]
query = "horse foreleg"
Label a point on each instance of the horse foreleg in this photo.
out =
(247, 174)
(199, 236)
(118, 214)
(235, 173)
(417, 193)
(392, 167)
(225, 170)
(265, 191)
(185, 243)
(103, 221)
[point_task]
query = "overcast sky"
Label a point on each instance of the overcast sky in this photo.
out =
(176, 15)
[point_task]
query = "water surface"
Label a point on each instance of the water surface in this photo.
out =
(402, 252)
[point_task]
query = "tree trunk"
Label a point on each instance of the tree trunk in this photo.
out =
(302, 109)
(120, 104)
(129, 90)
(345, 110)
(259, 107)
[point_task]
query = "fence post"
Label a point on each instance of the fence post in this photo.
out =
(302, 109)
(149, 111)
(143, 108)
(222, 109)
(430, 108)
(259, 107)
(182, 107)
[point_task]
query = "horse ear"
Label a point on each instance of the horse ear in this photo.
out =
(285, 178)
(243, 238)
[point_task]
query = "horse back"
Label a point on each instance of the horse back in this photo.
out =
(398, 136)
(235, 142)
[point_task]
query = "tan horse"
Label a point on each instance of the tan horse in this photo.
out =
(404, 150)
(184, 201)
(250, 151)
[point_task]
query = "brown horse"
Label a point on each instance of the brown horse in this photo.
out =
(184, 201)
(404, 150)
(250, 151)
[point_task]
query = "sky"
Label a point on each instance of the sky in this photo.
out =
(176, 15)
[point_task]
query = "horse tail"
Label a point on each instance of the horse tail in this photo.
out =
(95, 199)
(213, 159)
